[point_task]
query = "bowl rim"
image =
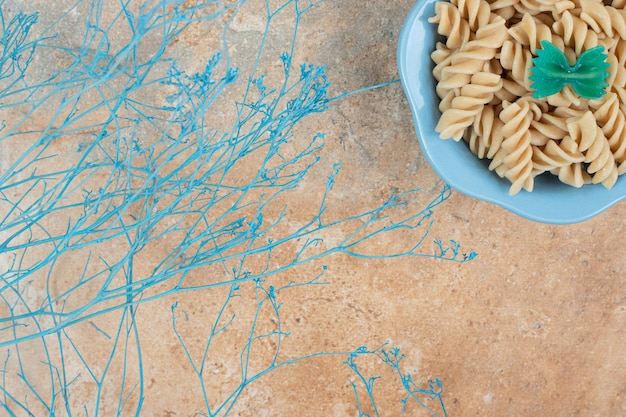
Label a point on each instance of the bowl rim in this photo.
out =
(536, 206)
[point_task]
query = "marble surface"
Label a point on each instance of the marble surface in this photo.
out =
(533, 326)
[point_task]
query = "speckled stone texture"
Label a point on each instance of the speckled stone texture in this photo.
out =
(533, 326)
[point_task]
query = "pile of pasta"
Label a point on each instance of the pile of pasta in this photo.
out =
(482, 71)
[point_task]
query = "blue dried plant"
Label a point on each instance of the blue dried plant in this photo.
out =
(113, 157)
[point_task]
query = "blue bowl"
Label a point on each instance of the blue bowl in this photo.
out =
(550, 202)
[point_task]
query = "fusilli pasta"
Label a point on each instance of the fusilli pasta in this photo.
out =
(482, 72)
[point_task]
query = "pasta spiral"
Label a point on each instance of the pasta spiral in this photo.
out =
(530, 32)
(473, 55)
(594, 145)
(556, 155)
(617, 58)
(611, 118)
(538, 6)
(518, 59)
(546, 129)
(486, 135)
(603, 18)
(573, 175)
(516, 150)
(442, 57)
(451, 25)
(468, 105)
(576, 34)
(477, 12)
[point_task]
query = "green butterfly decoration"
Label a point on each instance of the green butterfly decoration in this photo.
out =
(552, 72)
